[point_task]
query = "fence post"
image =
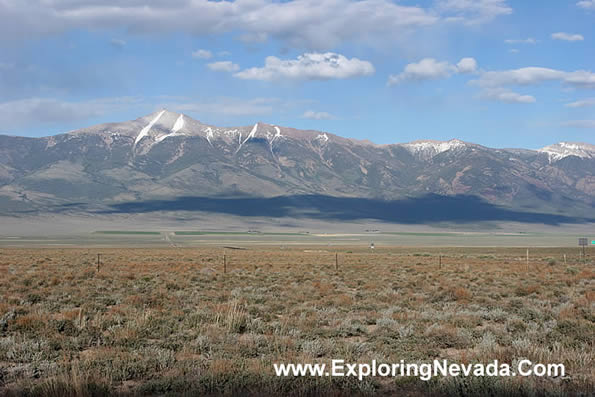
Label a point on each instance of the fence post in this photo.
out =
(224, 264)
(336, 261)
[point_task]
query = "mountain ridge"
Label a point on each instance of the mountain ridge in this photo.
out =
(177, 116)
(166, 154)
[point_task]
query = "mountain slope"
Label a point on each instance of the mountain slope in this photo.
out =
(167, 155)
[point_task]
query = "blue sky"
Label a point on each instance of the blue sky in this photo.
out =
(501, 73)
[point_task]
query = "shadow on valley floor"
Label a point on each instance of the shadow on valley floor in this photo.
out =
(427, 209)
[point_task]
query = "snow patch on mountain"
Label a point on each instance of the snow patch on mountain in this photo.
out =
(209, 132)
(145, 131)
(276, 136)
(179, 124)
(251, 134)
(562, 150)
(322, 137)
(426, 149)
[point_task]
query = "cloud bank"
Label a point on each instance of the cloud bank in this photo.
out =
(309, 24)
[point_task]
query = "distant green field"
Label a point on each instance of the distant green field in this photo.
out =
(237, 233)
(422, 234)
(456, 234)
(127, 232)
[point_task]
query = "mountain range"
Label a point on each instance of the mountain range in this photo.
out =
(167, 155)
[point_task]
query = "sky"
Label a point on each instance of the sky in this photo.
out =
(501, 73)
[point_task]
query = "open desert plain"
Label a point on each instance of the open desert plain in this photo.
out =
(213, 320)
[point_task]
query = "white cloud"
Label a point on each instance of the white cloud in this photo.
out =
(308, 24)
(494, 83)
(312, 115)
(310, 66)
(579, 123)
(431, 69)
(473, 11)
(580, 78)
(224, 66)
(202, 54)
(513, 51)
(567, 36)
(535, 75)
(581, 103)
(587, 4)
(426, 69)
(522, 76)
(467, 65)
(529, 40)
(507, 96)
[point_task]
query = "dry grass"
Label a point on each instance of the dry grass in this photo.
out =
(168, 321)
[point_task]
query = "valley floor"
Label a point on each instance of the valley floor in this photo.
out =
(187, 321)
(210, 230)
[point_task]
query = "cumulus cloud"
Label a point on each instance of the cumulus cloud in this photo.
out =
(202, 54)
(567, 36)
(507, 96)
(309, 66)
(529, 40)
(431, 69)
(312, 115)
(579, 123)
(581, 103)
(467, 65)
(535, 75)
(587, 4)
(223, 66)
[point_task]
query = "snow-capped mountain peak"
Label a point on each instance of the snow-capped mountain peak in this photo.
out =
(427, 149)
(561, 150)
(145, 131)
